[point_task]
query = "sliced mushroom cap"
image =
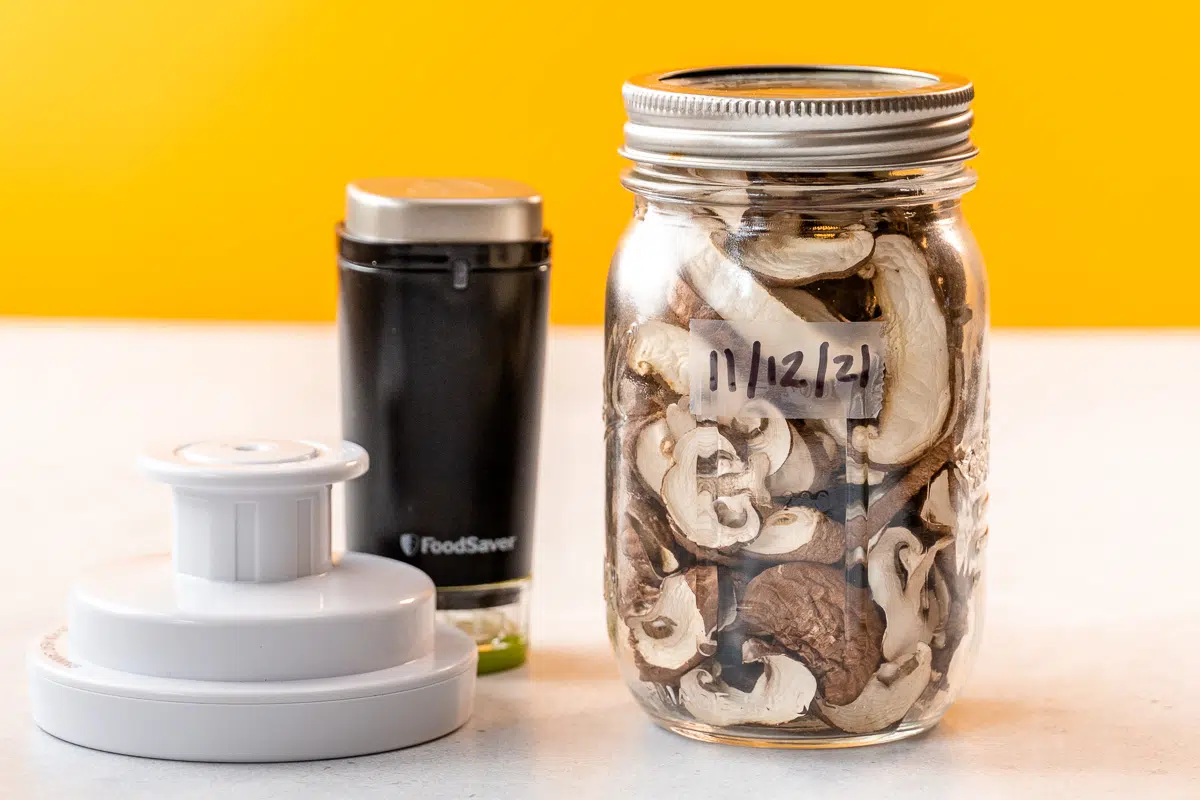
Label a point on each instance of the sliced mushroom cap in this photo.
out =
(799, 471)
(655, 445)
(938, 512)
(679, 418)
(765, 431)
(707, 520)
(661, 349)
(675, 633)
(733, 292)
(887, 697)
(737, 478)
(653, 453)
(686, 305)
(809, 465)
(786, 258)
(660, 697)
(630, 395)
(638, 398)
(783, 692)
(839, 430)
(638, 581)
(916, 398)
(798, 534)
(810, 610)
(649, 519)
(897, 570)
(828, 445)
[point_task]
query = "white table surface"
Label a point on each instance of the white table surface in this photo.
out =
(1088, 680)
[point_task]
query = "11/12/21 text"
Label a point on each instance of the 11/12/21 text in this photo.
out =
(805, 370)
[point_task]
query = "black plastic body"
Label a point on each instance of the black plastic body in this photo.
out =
(442, 352)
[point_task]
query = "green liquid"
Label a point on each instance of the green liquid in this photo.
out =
(501, 654)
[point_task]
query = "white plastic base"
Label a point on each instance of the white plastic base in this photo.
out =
(190, 720)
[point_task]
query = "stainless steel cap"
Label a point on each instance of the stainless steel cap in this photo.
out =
(437, 210)
(798, 118)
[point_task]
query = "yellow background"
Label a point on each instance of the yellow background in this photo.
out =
(164, 159)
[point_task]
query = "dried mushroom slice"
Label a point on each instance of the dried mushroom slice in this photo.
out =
(630, 396)
(764, 430)
(661, 349)
(809, 609)
(809, 465)
(898, 570)
(786, 255)
(653, 453)
(862, 527)
(798, 534)
(675, 633)
(636, 398)
(733, 292)
(887, 697)
(638, 581)
(737, 478)
(938, 512)
(685, 305)
(654, 447)
(657, 696)
(679, 418)
(783, 692)
(707, 517)
(649, 519)
(949, 276)
(916, 397)
(946, 265)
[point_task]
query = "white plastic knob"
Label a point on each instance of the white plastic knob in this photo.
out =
(253, 510)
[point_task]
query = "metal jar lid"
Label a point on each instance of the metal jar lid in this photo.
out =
(798, 118)
(442, 210)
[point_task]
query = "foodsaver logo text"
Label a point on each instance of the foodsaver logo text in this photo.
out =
(412, 544)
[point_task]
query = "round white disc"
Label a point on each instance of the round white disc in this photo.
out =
(367, 613)
(258, 721)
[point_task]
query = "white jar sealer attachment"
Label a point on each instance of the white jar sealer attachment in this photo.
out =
(251, 642)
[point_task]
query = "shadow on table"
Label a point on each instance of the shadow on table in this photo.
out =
(975, 715)
(561, 664)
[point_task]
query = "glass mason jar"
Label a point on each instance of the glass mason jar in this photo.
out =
(796, 405)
